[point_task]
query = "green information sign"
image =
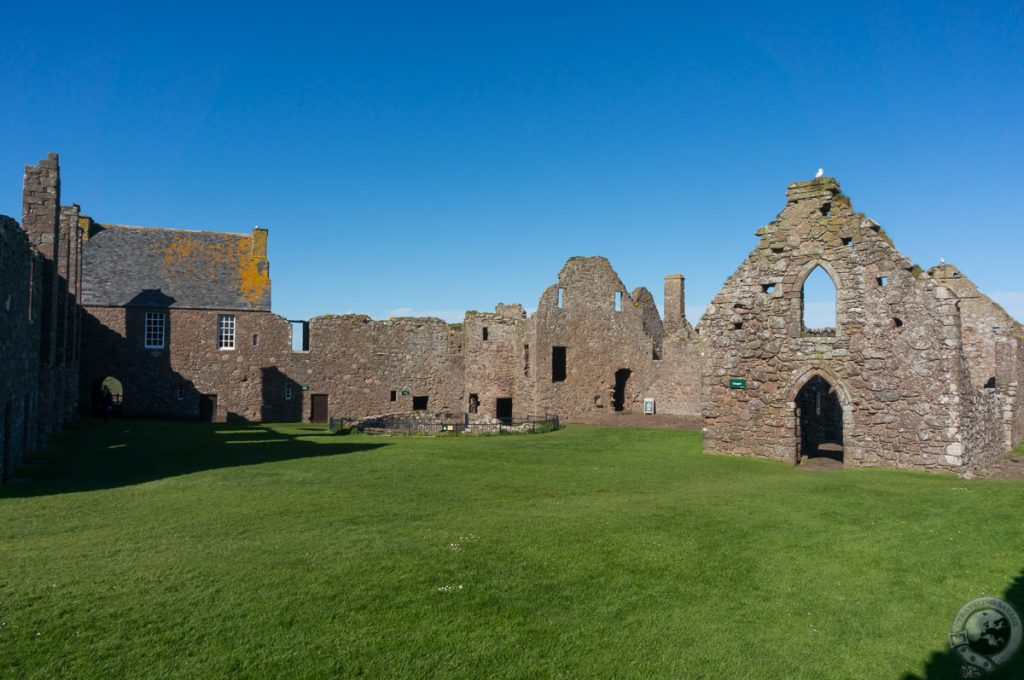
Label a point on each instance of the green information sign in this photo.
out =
(737, 383)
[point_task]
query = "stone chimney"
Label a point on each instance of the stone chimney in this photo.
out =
(675, 301)
(40, 218)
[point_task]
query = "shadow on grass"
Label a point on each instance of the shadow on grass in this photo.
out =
(90, 455)
(950, 664)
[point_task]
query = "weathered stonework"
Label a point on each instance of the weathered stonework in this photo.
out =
(921, 370)
(897, 360)
(39, 269)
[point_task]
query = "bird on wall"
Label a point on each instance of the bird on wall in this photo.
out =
(820, 173)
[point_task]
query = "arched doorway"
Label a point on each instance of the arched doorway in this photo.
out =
(619, 394)
(819, 421)
(107, 397)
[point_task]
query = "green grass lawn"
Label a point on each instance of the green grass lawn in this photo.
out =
(146, 549)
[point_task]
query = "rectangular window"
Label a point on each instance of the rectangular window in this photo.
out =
(300, 336)
(255, 340)
(394, 395)
(618, 301)
(226, 331)
(287, 392)
(156, 330)
(557, 364)
(419, 403)
(485, 332)
(179, 394)
(561, 297)
(526, 360)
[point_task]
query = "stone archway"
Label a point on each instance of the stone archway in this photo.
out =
(822, 420)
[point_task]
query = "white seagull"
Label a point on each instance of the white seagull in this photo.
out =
(820, 173)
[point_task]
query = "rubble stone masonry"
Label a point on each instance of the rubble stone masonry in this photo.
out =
(920, 371)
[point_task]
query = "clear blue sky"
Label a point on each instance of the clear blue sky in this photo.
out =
(438, 157)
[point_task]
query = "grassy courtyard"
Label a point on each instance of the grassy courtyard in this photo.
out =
(145, 549)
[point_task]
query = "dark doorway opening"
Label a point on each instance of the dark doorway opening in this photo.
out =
(420, 403)
(474, 403)
(619, 395)
(318, 408)
(819, 421)
(107, 397)
(5, 465)
(503, 408)
(207, 407)
(557, 364)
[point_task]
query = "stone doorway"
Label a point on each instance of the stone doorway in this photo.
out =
(107, 397)
(819, 421)
(619, 394)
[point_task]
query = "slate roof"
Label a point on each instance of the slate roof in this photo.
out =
(150, 267)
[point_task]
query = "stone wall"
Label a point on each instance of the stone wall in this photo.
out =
(38, 312)
(925, 368)
(895, 356)
(20, 281)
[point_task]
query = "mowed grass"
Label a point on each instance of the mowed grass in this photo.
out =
(146, 549)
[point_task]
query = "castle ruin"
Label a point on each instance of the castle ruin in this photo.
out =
(921, 370)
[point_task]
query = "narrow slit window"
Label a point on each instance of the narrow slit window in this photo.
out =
(526, 360)
(179, 394)
(255, 340)
(618, 301)
(561, 297)
(288, 393)
(394, 395)
(485, 333)
(558, 364)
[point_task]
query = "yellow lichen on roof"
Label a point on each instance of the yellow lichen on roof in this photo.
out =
(252, 277)
(187, 257)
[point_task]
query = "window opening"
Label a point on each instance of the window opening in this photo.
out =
(300, 336)
(558, 368)
(156, 327)
(818, 304)
(226, 331)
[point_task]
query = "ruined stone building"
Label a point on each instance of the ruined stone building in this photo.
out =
(920, 370)
(40, 282)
